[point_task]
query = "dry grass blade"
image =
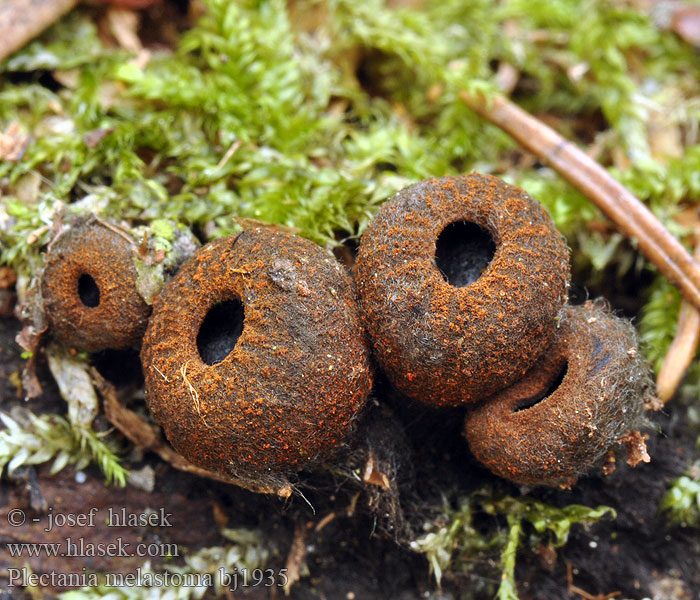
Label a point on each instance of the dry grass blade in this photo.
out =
(613, 199)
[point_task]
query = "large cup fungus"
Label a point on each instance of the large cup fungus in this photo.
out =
(255, 358)
(586, 394)
(460, 280)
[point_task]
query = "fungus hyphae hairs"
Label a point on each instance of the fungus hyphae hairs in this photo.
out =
(584, 396)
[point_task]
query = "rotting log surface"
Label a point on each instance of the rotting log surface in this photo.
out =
(185, 521)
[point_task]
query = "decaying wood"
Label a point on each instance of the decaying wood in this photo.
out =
(186, 520)
(296, 556)
(146, 436)
(23, 20)
(630, 215)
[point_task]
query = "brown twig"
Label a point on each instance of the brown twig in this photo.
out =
(613, 199)
(682, 350)
(148, 437)
(23, 20)
(573, 589)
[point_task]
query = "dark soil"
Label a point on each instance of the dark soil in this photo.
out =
(355, 554)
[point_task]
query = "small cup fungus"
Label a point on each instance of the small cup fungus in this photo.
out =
(89, 287)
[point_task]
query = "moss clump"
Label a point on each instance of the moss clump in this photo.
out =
(255, 358)
(455, 544)
(452, 337)
(29, 439)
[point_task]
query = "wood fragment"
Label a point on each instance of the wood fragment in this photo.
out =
(22, 20)
(148, 437)
(682, 350)
(583, 594)
(630, 215)
(323, 522)
(295, 558)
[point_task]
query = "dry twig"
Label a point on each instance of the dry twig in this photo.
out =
(614, 200)
(296, 556)
(148, 437)
(682, 350)
(23, 20)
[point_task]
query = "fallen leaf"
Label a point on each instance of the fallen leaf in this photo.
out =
(74, 383)
(29, 339)
(13, 143)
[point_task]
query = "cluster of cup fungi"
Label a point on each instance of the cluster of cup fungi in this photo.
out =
(258, 352)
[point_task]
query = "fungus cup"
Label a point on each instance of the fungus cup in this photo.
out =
(460, 280)
(255, 359)
(587, 393)
(89, 287)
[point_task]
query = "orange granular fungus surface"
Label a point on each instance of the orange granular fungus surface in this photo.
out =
(449, 345)
(301, 359)
(532, 434)
(119, 319)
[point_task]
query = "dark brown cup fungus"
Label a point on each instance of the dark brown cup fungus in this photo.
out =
(88, 287)
(585, 395)
(255, 359)
(460, 280)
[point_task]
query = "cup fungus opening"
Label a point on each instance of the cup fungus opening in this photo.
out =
(220, 330)
(88, 291)
(270, 405)
(462, 251)
(551, 387)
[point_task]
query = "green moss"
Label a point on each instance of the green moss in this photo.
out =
(453, 543)
(682, 501)
(51, 438)
(658, 328)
